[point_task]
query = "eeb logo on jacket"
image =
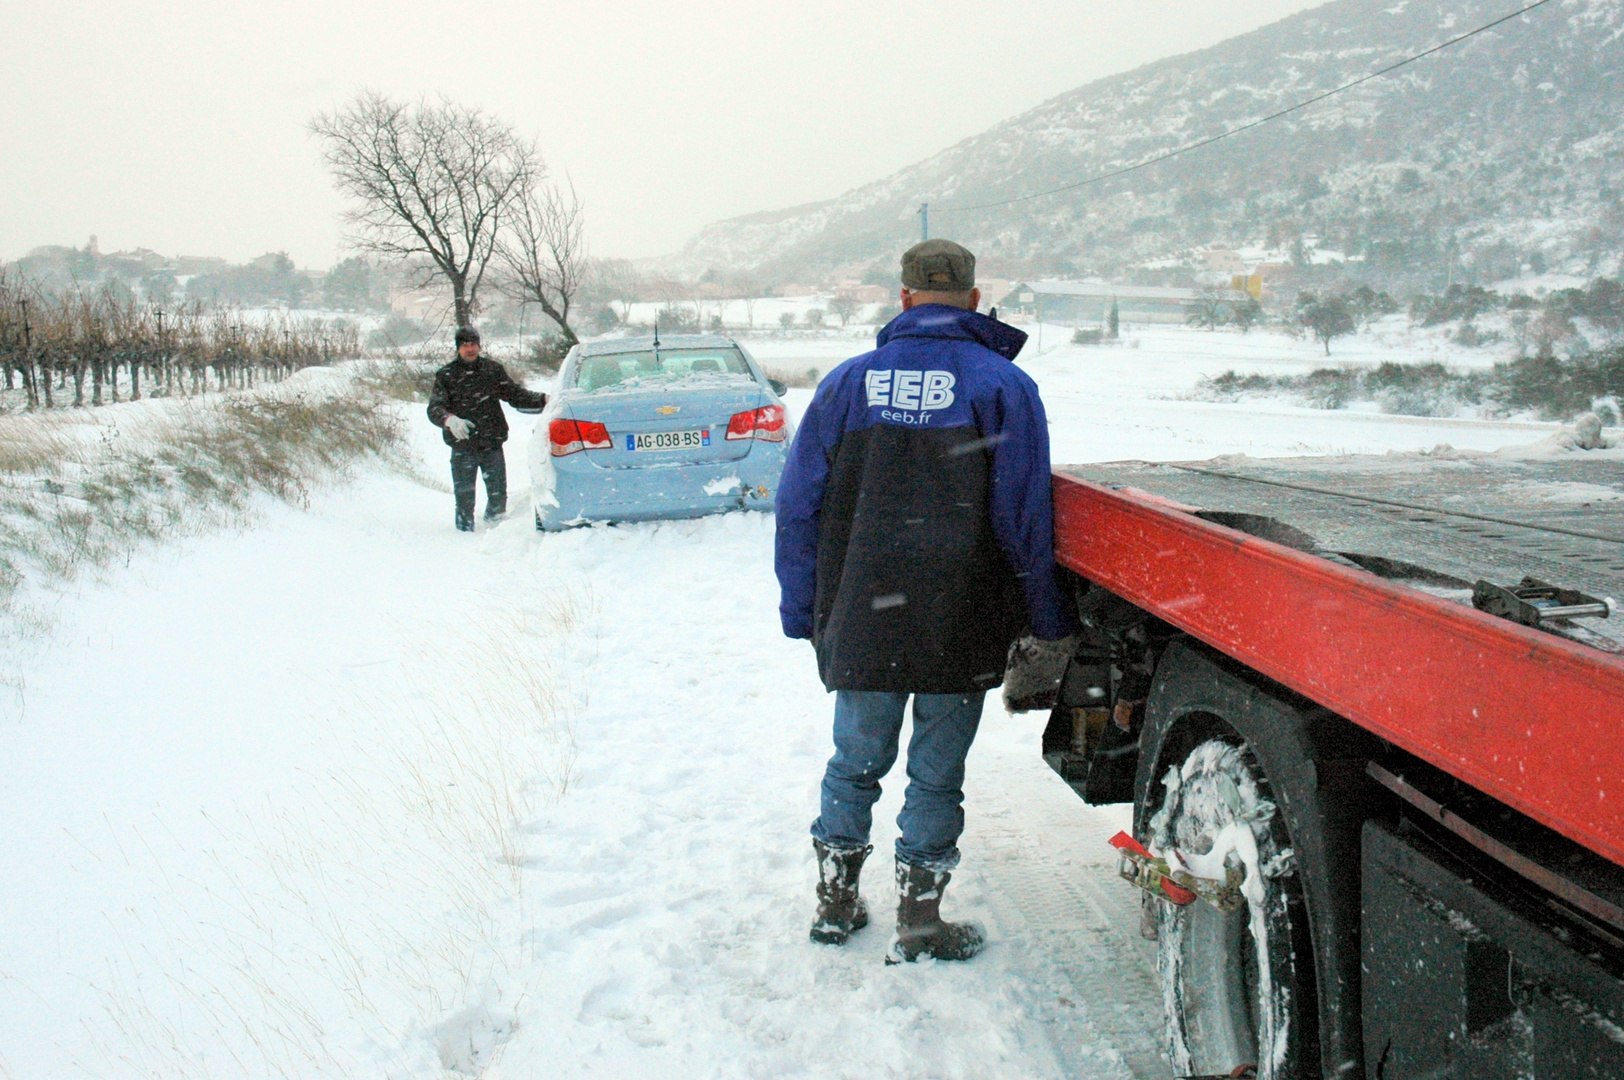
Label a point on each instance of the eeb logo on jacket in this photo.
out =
(928, 390)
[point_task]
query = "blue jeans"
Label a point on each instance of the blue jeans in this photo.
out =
(466, 465)
(868, 724)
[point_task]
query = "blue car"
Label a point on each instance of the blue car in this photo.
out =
(650, 428)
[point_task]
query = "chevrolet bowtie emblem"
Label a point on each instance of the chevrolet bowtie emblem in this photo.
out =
(667, 410)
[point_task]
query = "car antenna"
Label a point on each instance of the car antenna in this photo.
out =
(656, 331)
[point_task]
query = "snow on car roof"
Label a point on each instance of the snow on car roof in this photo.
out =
(646, 342)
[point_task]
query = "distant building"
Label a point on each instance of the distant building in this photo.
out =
(993, 290)
(197, 264)
(797, 290)
(424, 304)
(1250, 284)
(864, 294)
(141, 259)
(1222, 260)
(1274, 273)
(1080, 303)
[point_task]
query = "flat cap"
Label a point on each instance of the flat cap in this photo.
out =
(939, 266)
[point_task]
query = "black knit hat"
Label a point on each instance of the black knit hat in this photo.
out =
(466, 334)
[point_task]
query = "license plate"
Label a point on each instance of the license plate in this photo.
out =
(670, 440)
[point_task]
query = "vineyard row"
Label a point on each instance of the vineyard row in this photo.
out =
(118, 346)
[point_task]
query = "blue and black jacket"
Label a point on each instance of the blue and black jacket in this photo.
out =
(915, 520)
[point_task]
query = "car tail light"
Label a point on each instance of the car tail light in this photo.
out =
(573, 436)
(766, 423)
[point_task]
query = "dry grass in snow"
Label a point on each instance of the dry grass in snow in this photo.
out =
(82, 489)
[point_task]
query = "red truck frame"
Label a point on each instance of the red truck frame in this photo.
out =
(1436, 952)
(1530, 719)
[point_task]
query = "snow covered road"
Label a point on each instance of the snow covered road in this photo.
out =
(215, 869)
(670, 886)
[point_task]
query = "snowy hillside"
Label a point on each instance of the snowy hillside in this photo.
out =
(1503, 153)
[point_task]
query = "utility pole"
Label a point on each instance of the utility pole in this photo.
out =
(924, 222)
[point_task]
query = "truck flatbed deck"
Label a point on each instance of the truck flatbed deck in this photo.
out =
(1348, 580)
(1437, 523)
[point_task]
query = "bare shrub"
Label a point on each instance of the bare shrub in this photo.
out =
(1555, 389)
(398, 378)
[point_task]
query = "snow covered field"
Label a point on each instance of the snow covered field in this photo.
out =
(350, 794)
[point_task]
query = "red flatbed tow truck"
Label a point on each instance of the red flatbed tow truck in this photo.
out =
(1377, 706)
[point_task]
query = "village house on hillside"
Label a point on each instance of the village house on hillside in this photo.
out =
(1078, 303)
(423, 304)
(863, 294)
(1222, 260)
(141, 260)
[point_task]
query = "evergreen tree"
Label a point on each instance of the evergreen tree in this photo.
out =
(1326, 319)
(349, 285)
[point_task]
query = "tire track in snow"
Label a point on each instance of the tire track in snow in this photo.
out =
(1048, 876)
(677, 874)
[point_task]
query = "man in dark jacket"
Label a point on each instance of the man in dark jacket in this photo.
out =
(915, 543)
(467, 403)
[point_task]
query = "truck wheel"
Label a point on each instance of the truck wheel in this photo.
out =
(1229, 979)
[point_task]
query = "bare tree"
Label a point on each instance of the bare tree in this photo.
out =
(543, 250)
(843, 308)
(746, 288)
(680, 306)
(432, 184)
(616, 281)
(1211, 308)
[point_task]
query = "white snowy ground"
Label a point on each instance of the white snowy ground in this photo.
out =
(349, 794)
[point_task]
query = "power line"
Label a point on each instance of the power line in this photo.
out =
(1249, 125)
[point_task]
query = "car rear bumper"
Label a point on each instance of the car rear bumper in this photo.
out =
(591, 494)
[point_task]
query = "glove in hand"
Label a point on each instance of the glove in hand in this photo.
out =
(460, 429)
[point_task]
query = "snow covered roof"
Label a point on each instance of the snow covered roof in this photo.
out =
(1093, 289)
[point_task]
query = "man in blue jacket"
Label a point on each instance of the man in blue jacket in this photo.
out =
(915, 543)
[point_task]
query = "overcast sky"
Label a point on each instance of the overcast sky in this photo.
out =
(181, 126)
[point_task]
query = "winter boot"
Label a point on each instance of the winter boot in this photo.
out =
(840, 910)
(920, 929)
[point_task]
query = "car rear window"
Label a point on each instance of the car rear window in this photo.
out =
(629, 369)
